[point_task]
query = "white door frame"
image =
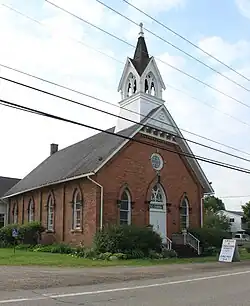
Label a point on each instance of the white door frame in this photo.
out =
(160, 211)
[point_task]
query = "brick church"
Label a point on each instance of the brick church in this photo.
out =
(107, 179)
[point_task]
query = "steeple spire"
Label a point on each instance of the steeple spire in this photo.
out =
(141, 30)
(141, 57)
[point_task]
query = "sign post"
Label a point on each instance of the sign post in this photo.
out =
(14, 235)
(229, 251)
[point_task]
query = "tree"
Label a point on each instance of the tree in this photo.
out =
(213, 204)
(216, 221)
(246, 215)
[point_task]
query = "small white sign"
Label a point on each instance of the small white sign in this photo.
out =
(229, 251)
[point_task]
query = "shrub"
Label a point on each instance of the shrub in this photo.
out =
(135, 242)
(30, 233)
(210, 237)
(104, 256)
(154, 255)
(26, 247)
(169, 253)
(90, 253)
(61, 248)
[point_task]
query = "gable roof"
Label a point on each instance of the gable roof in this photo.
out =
(6, 183)
(239, 213)
(90, 155)
(78, 160)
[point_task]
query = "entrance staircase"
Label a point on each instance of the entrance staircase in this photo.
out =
(186, 245)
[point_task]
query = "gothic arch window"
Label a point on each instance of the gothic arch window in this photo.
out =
(184, 214)
(50, 213)
(77, 210)
(125, 207)
(131, 87)
(15, 213)
(150, 84)
(158, 197)
(31, 209)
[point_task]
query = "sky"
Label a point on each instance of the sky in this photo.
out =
(63, 49)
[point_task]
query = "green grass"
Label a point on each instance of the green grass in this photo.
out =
(27, 258)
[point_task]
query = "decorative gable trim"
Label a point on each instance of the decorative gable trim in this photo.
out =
(125, 73)
(152, 66)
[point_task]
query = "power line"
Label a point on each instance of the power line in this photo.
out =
(117, 116)
(42, 24)
(188, 155)
(170, 86)
(235, 197)
(171, 66)
(185, 39)
(174, 46)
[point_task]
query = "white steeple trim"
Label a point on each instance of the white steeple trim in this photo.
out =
(128, 70)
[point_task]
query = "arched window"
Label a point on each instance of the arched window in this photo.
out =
(125, 207)
(31, 209)
(77, 204)
(15, 214)
(149, 86)
(131, 85)
(50, 214)
(184, 214)
(158, 197)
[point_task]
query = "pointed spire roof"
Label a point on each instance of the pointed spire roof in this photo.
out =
(141, 57)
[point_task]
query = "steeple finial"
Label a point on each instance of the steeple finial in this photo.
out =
(141, 34)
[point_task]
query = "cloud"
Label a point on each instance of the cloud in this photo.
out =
(153, 8)
(244, 7)
(226, 52)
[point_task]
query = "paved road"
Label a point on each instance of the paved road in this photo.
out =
(225, 288)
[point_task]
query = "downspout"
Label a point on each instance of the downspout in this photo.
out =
(101, 206)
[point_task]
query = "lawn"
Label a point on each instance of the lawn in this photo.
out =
(27, 258)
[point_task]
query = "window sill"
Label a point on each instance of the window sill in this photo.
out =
(77, 230)
(50, 231)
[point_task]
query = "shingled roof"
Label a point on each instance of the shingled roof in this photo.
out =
(78, 159)
(141, 57)
(6, 183)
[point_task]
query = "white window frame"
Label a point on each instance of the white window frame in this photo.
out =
(186, 214)
(50, 214)
(31, 209)
(127, 211)
(77, 208)
(154, 203)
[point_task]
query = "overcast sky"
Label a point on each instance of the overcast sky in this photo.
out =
(53, 52)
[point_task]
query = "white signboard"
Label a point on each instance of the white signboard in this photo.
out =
(229, 251)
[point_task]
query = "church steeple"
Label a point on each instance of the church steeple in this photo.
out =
(141, 85)
(141, 57)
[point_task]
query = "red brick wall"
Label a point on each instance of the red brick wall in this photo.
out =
(63, 195)
(130, 168)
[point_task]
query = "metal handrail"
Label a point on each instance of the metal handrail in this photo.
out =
(169, 243)
(197, 242)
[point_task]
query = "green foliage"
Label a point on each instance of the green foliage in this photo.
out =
(210, 237)
(217, 221)
(90, 253)
(27, 247)
(246, 216)
(59, 248)
(135, 242)
(27, 233)
(169, 253)
(213, 204)
(154, 255)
